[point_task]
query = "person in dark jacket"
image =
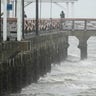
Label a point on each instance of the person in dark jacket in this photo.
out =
(62, 14)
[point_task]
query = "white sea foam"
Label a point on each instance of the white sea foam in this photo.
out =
(73, 77)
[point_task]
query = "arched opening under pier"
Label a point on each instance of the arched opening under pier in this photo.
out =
(73, 50)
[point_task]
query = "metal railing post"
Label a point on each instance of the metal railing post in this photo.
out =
(85, 25)
(73, 25)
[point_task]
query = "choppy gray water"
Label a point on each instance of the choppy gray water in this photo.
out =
(72, 77)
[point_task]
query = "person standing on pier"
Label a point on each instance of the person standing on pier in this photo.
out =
(62, 16)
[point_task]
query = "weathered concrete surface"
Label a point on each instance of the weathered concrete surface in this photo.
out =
(29, 60)
(8, 50)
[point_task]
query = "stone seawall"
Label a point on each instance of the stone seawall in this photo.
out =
(32, 59)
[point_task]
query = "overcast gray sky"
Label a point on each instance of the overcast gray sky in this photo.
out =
(82, 8)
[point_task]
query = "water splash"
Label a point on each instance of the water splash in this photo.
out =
(72, 77)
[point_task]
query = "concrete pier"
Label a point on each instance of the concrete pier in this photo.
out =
(28, 60)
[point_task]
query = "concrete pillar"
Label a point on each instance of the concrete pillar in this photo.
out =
(72, 10)
(5, 21)
(67, 5)
(66, 46)
(83, 48)
(83, 45)
(19, 20)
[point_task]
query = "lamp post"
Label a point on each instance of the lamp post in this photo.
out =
(36, 17)
(15, 8)
(67, 3)
(8, 12)
(0, 20)
(23, 19)
(72, 12)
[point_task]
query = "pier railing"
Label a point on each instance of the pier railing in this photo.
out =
(44, 25)
(71, 24)
(83, 24)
